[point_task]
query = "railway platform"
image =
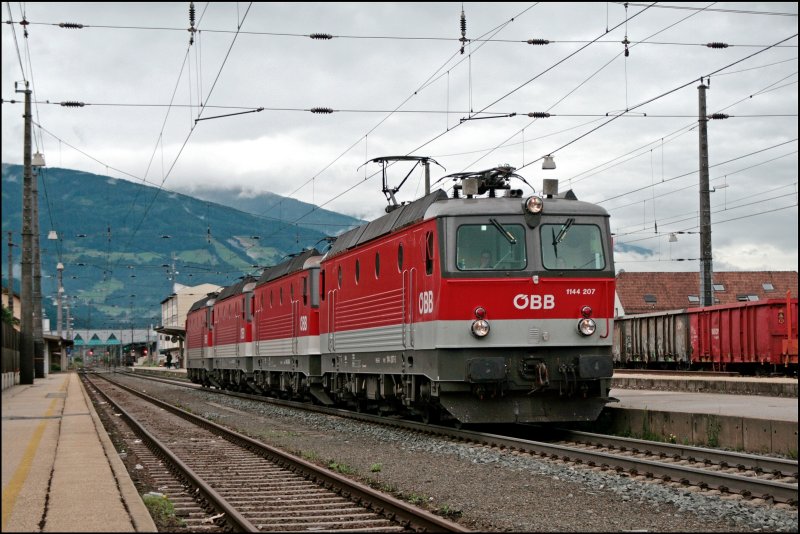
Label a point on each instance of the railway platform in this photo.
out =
(750, 423)
(728, 383)
(60, 470)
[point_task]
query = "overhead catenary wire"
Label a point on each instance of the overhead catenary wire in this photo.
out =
(668, 137)
(405, 110)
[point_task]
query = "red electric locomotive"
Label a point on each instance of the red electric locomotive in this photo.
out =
(199, 341)
(286, 322)
(232, 336)
(480, 308)
(484, 310)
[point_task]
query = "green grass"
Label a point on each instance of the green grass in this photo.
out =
(162, 511)
(311, 456)
(341, 468)
(416, 499)
(446, 511)
(714, 426)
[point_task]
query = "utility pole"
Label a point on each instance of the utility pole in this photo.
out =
(60, 269)
(10, 274)
(706, 289)
(26, 349)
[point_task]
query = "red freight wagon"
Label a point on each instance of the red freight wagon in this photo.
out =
(747, 333)
(747, 337)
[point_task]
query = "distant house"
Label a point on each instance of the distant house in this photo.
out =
(173, 319)
(17, 305)
(658, 291)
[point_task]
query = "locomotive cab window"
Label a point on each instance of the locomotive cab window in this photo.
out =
(492, 246)
(569, 246)
(429, 253)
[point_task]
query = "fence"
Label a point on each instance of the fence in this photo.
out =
(10, 356)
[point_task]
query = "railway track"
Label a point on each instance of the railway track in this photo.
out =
(252, 487)
(771, 480)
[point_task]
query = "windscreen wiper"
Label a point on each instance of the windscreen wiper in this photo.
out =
(510, 238)
(563, 232)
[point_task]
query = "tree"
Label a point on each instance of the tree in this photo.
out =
(8, 317)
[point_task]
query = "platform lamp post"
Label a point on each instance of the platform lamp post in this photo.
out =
(60, 268)
(10, 286)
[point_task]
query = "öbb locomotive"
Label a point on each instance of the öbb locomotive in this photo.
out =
(480, 307)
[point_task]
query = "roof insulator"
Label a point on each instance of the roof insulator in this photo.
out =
(717, 45)
(72, 104)
(321, 36)
(191, 29)
(539, 114)
(538, 41)
(718, 116)
(70, 25)
(463, 39)
(321, 110)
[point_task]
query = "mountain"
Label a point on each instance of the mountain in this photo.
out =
(282, 208)
(124, 245)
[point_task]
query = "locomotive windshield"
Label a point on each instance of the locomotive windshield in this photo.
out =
(572, 246)
(491, 246)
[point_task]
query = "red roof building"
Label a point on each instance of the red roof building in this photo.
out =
(646, 292)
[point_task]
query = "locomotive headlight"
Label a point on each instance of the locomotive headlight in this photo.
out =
(534, 204)
(480, 328)
(587, 326)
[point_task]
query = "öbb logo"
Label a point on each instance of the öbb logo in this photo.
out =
(534, 302)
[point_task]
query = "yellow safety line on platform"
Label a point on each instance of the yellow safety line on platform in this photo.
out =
(11, 492)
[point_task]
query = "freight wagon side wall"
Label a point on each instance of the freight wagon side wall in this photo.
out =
(747, 333)
(652, 338)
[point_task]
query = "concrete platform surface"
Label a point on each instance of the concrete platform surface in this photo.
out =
(770, 386)
(750, 406)
(60, 470)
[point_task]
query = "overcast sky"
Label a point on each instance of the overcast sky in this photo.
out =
(398, 84)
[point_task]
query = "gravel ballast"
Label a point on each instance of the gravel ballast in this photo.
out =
(483, 489)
